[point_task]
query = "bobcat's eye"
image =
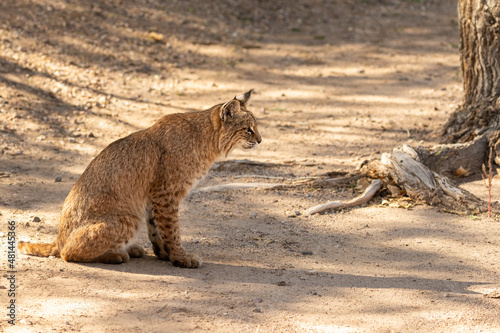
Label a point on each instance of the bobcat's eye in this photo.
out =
(249, 130)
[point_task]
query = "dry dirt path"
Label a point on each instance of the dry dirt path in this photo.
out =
(337, 82)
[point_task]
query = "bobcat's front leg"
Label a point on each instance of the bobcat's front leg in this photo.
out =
(167, 222)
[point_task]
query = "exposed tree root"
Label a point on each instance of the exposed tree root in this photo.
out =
(403, 167)
(369, 192)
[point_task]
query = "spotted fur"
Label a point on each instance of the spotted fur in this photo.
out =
(143, 178)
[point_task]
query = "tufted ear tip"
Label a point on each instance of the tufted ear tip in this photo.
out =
(243, 98)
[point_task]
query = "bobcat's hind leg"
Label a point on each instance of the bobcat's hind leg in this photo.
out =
(99, 242)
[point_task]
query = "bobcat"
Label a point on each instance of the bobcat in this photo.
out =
(144, 176)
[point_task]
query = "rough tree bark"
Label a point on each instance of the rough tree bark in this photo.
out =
(479, 22)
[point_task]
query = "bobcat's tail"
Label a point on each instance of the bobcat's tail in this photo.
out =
(40, 249)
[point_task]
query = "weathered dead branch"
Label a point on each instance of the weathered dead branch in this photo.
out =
(403, 167)
(358, 201)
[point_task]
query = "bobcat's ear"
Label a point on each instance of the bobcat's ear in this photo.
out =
(244, 97)
(229, 109)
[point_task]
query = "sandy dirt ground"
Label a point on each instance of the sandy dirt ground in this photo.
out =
(337, 83)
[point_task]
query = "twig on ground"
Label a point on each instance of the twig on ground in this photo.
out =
(359, 200)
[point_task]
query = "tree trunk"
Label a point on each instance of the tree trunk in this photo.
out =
(480, 63)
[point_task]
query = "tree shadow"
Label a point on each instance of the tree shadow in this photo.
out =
(150, 265)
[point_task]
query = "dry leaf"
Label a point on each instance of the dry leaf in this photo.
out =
(395, 190)
(156, 37)
(461, 172)
(362, 184)
(405, 203)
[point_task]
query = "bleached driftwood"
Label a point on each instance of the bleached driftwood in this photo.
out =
(403, 167)
(358, 201)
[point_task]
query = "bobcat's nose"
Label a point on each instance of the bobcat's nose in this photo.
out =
(259, 139)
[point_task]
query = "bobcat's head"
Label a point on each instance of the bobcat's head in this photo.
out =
(238, 125)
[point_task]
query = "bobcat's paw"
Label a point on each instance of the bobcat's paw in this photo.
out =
(114, 258)
(190, 260)
(161, 251)
(135, 251)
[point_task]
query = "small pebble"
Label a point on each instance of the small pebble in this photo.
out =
(58, 179)
(257, 310)
(307, 253)
(257, 300)
(36, 219)
(282, 283)
(196, 240)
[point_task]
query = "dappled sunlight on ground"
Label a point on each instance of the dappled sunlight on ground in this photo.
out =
(336, 83)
